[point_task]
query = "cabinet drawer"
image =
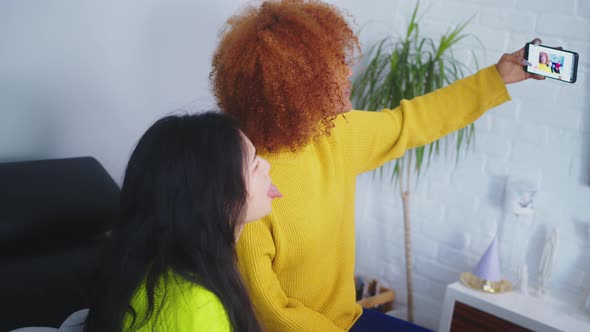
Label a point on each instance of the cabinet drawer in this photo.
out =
(468, 319)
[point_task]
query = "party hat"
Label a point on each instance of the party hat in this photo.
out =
(488, 267)
(486, 276)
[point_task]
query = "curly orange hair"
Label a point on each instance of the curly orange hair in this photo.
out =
(277, 70)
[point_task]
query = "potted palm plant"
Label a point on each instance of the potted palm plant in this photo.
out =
(403, 68)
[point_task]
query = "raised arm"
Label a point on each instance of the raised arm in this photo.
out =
(375, 138)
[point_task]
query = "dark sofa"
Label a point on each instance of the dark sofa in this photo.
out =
(54, 219)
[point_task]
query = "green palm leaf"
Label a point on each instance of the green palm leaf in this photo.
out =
(403, 69)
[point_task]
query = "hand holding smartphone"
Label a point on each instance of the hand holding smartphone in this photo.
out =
(551, 62)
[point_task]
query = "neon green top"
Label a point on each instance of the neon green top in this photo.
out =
(186, 307)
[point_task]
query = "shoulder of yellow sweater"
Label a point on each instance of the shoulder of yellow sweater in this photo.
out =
(343, 121)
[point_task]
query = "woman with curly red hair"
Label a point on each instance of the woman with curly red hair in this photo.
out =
(544, 63)
(282, 69)
(282, 57)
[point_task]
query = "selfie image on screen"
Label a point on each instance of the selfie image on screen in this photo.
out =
(550, 62)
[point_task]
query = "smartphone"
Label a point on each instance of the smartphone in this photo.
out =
(551, 62)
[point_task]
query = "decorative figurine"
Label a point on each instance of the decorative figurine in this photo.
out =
(524, 280)
(546, 263)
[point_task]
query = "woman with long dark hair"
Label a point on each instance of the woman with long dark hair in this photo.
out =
(190, 185)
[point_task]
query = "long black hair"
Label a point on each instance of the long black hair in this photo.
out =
(182, 198)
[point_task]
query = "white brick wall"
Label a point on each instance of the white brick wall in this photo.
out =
(542, 135)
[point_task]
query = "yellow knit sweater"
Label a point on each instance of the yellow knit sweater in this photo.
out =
(298, 262)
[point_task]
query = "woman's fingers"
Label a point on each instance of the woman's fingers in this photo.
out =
(517, 58)
(538, 41)
(535, 76)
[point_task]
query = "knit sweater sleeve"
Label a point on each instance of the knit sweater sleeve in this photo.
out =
(275, 310)
(374, 138)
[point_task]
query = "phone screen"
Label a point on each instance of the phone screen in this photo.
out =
(552, 62)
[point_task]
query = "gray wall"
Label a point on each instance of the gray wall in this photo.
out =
(88, 77)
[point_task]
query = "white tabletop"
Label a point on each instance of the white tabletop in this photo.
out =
(537, 314)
